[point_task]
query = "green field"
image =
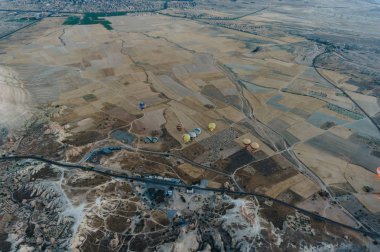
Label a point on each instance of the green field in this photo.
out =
(92, 18)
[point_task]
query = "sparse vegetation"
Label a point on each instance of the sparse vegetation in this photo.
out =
(268, 76)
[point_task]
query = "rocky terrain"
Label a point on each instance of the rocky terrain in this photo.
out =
(189, 126)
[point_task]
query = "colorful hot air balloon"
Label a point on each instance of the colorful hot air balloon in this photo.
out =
(198, 131)
(211, 127)
(179, 127)
(142, 105)
(186, 138)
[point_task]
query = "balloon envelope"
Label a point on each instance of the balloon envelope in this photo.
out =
(192, 134)
(179, 127)
(247, 141)
(154, 139)
(186, 138)
(255, 145)
(211, 126)
(198, 131)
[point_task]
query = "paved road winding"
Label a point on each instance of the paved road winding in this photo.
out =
(342, 90)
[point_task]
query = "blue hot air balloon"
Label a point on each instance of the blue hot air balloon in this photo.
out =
(151, 139)
(154, 139)
(142, 105)
(198, 131)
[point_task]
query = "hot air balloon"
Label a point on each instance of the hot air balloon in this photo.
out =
(151, 139)
(378, 171)
(154, 139)
(192, 135)
(179, 127)
(211, 126)
(247, 141)
(198, 131)
(255, 146)
(142, 105)
(186, 138)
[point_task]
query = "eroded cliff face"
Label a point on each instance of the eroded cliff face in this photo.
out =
(36, 212)
(46, 207)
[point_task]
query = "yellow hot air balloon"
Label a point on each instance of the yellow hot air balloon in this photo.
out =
(247, 141)
(186, 138)
(211, 126)
(255, 146)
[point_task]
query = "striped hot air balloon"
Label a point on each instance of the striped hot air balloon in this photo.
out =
(179, 127)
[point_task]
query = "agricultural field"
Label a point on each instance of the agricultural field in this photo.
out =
(172, 128)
